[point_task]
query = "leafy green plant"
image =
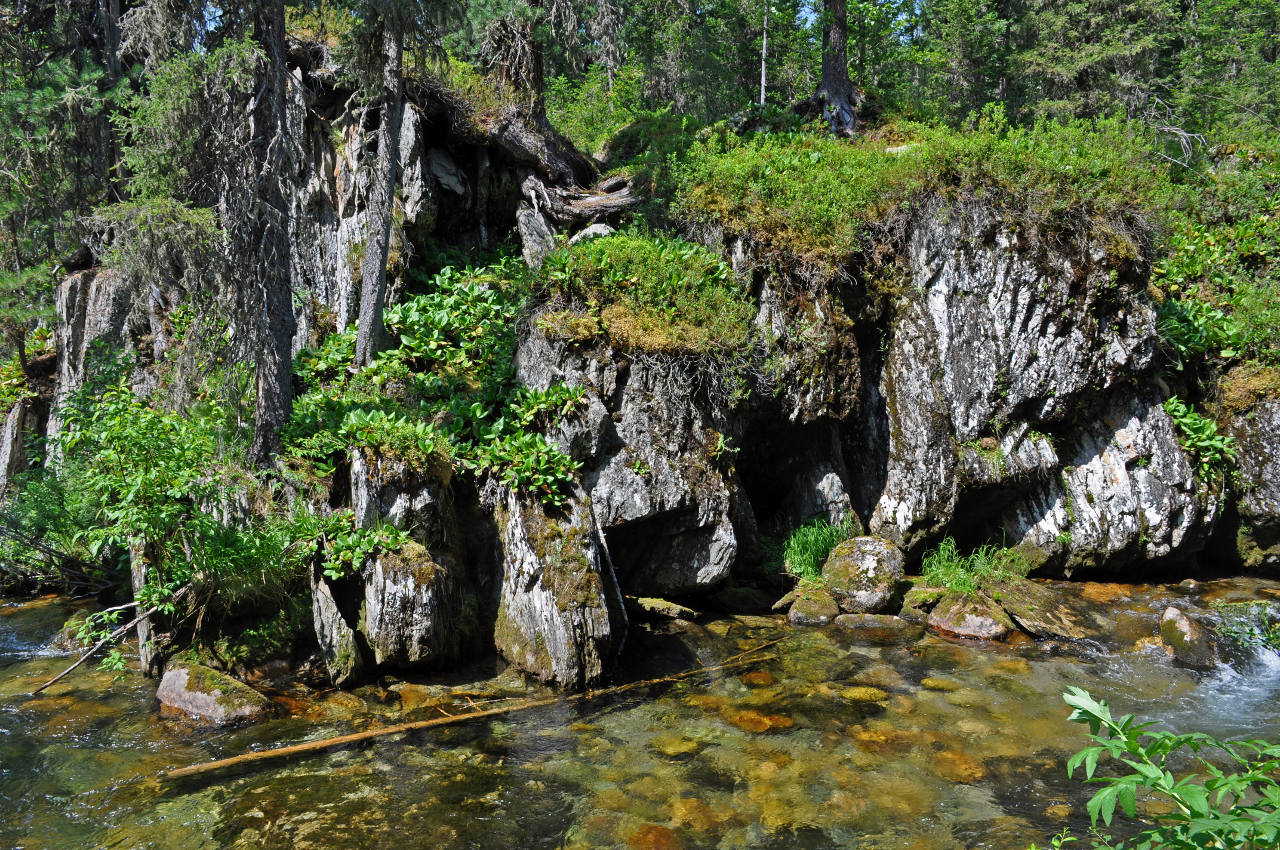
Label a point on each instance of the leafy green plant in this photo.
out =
(1215, 452)
(1191, 328)
(946, 567)
(807, 547)
(445, 399)
(1238, 807)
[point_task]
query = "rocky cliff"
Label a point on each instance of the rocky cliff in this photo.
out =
(998, 386)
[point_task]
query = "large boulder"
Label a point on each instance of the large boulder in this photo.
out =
(862, 574)
(560, 615)
(210, 698)
(970, 617)
(417, 612)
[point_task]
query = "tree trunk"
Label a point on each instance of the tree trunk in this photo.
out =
(840, 100)
(269, 232)
(371, 333)
(764, 54)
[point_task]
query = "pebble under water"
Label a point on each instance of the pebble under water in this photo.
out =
(827, 744)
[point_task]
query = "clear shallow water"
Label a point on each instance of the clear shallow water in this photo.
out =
(829, 744)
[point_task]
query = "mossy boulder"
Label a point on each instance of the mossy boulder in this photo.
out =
(918, 601)
(862, 574)
(209, 698)
(813, 606)
(1190, 642)
(970, 617)
(1038, 610)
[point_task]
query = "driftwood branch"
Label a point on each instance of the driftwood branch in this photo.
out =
(111, 638)
(312, 747)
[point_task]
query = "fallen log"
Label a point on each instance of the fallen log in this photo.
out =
(743, 659)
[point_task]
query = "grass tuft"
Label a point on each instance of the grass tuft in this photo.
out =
(987, 565)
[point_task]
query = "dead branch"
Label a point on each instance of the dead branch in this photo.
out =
(312, 747)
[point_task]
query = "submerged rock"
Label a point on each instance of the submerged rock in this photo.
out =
(880, 629)
(1190, 642)
(970, 617)
(862, 574)
(209, 697)
(1039, 611)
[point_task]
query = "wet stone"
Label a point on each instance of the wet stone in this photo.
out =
(918, 602)
(813, 606)
(1190, 642)
(861, 574)
(879, 629)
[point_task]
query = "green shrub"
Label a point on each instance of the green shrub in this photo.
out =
(1215, 453)
(1238, 807)
(988, 565)
(1249, 624)
(816, 197)
(591, 110)
(444, 399)
(653, 293)
(806, 548)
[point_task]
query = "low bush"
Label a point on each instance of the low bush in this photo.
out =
(653, 293)
(1215, 452)
(1209, 807)
(445, 398)
(816, 197)
(988, 565)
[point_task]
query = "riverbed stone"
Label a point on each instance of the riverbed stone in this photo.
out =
(861, 574)
(970, 617)
(1190, 642)
(880, 629)
(919, 601)
(208, 697)
(813, 606)
(1039, 611)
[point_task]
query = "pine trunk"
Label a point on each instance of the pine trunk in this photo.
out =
(270, 236)
(840, 100)
(371, 334)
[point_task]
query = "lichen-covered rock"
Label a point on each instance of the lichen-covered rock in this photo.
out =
(1039, 611)
(1256, 429)
(969, 617)
(18, 424)
(560, 616)
(880, 629)
(416, 611)
(411, 497)
(1190, 642)
(861, 574)
(992, 333)
(654, 465)
(812, 606)
(1127, 492)
(918, 601)
(208, 697)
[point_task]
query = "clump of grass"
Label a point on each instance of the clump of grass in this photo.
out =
(653, 293)
(816, 197)
(985, 566)
(806, 549)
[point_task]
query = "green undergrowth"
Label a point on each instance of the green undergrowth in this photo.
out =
(1214, 452)
(1207, 793)
(1220, 259)
(651, 293)
(805, 550)
(816, 197)
(986, 566)
(444, 399)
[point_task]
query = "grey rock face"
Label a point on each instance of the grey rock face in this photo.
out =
(416, 611)
(1127, 491)
(594, 231)
(559, 617)
(667, 503)
(210, 698)
(340, 643)
(13, 433)
(861, 574)
(1257, 434)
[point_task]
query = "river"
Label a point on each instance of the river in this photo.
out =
(826, 744)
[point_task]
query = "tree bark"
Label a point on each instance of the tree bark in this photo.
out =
(270, 242)
(840, 100)
(371, 333)
(764, 54)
